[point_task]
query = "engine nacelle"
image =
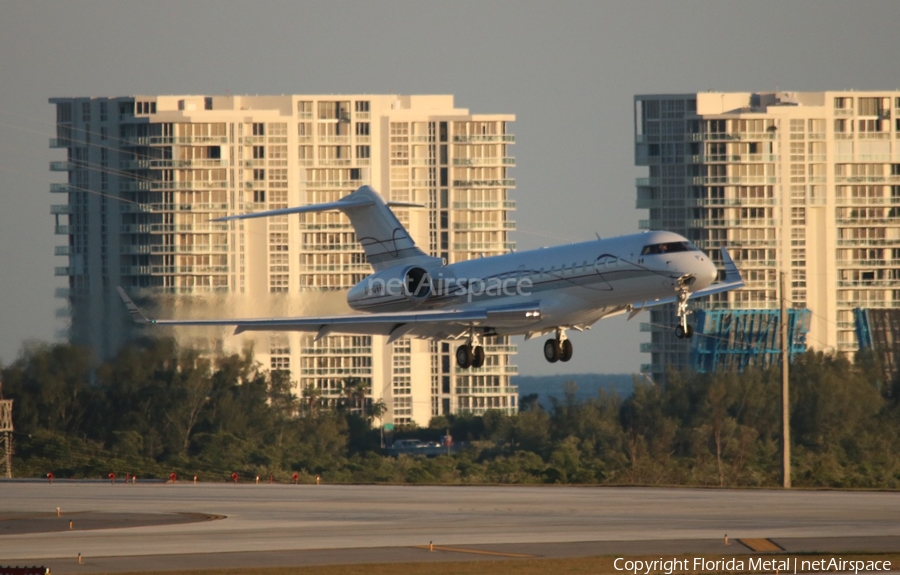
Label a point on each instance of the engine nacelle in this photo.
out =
(394, 289)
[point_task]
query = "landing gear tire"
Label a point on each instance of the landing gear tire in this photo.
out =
(477, 356)
(682, 332)
(464, 356)
(565, 351)
(551, 350)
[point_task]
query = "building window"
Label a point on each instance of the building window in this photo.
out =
(259, 175)
(843, 103)
(362, 129)
(259, 129)
(362, 152)
(305, 109)
(259, 152)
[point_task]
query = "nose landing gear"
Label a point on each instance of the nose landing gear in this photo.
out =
(683, 329)
(559, 348)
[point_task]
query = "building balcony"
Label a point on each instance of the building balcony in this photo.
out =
(713, 202)
(319, 248)
(61, 230)
(60, 142)
(61, 166)
(62, 292)
(335, 350)
(736, 159)
(62, 251)
(344, 268)
(333, 184)
(144, 249)
(61, 209)
(484, 138)
(741, 136)
(726, 180)
(868, 222)
(648, 203)
(868, 242)
(497, 161)
(867, 179)
(484, 246)
(653, 368)
(135, 270)
(843, 112)
(175, 140)
(504, 205)
(173, 228)
(172, 163)
(63, 271)
(155, 185)
(507, 183)
(644, 225)
(62, 188)
(507, 225)
(336, 371)
(160, 208)
(487, 370)
(487, 391)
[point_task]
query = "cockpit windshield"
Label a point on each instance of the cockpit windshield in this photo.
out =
(668, 247)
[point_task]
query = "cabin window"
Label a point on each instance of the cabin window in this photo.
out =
(669, 247)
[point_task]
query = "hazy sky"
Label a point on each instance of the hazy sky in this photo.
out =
(567, 70)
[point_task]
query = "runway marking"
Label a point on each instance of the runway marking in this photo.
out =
(474, 551)
(761, 544)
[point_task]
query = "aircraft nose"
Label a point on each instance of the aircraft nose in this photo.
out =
(702, 269)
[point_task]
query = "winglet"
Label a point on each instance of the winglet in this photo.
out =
(732, 273)
(136, 314)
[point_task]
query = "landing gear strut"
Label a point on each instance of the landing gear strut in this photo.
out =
(470, 354)
(559, 348)
(683, 329)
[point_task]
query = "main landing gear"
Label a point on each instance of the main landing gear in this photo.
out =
(683, 329)
(470, 354)
(558, 348)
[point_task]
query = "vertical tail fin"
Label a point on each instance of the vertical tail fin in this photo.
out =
(384, 239)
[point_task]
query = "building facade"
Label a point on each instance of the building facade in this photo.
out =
(804, 183)
(146, 174)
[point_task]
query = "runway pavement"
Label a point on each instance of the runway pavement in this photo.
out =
(308, 524)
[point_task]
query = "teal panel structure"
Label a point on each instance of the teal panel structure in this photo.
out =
(878, 329)
(737, 339)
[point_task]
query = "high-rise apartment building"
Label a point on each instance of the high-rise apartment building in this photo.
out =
(147, 174)
(805, 183)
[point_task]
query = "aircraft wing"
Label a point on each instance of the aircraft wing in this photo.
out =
(732, 280)
(445, 323)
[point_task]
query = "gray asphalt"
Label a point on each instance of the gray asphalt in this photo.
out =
(327, 524)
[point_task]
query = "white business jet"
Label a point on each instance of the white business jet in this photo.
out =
(529, 293)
